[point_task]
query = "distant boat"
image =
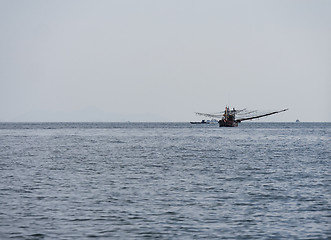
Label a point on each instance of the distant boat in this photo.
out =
(229, 116)
(202, 122)
(205, 122)
(297, 121)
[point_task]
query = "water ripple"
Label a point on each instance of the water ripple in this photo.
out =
(164, 181)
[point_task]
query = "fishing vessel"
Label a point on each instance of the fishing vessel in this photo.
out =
(228, 117)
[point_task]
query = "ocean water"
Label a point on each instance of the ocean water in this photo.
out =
(165, 181)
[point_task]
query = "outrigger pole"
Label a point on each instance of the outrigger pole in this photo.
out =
(264, 115)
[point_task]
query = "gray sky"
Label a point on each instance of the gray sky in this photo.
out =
(148, 60)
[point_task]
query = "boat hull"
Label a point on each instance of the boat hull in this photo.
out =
(199, 122)
(225, 123)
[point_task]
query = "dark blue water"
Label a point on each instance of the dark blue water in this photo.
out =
(165, 181)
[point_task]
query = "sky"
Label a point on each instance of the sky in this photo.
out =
(147, 60)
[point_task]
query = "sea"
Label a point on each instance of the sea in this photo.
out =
(165, 181)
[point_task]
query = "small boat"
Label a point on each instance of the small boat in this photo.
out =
(229, 116)
(205, 122)
(297, 121)
(202, 122)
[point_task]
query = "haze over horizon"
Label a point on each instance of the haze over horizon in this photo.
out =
(126, 60)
